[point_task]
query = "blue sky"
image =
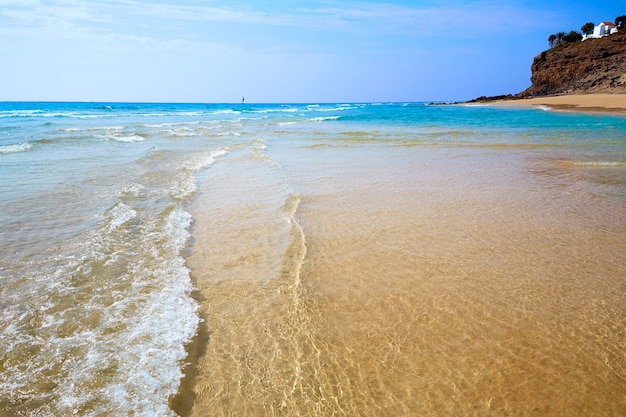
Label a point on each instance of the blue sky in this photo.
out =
(278, 51)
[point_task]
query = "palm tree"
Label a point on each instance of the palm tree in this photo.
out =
(587, 28)
(557, 38)
(552, 40)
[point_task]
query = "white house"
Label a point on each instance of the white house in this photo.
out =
(603, 29)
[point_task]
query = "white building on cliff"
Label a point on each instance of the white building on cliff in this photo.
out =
(603, 29)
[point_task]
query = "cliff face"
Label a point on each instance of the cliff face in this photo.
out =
(591, 66)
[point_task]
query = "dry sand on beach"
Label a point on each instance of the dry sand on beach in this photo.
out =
(611, 103)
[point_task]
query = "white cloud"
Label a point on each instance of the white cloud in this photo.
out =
(204, 13)
(131, 46)
(471, 18)
(126, 17)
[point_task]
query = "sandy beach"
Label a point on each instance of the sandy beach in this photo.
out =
(601, 103)
(356, 269)
(384, 259)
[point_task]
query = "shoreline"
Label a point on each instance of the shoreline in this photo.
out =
(584, 103)
(242, 377)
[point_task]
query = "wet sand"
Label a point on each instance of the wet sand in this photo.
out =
(591, 103)
(406, 281)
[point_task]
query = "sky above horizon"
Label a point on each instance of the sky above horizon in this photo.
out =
(219, 51)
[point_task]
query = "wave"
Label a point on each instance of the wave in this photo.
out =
(324, 119)
(341, 107)
(279, 110)
(19, 147)
(170, 124)
(226, 111)
(184, 184)
(19, 113)
(121, 283)
(599, 164)
(48, 115)
(126, 139)
(110, 321)
(181, 132)
(108, 112)
(119, 215)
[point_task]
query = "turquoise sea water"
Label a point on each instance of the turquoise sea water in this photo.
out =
(96, 303)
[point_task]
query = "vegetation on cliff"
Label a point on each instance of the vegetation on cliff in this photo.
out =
(561, 38)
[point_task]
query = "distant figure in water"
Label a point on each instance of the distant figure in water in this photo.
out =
(243, 99)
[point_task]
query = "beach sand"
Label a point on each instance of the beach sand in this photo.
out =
(414, 282)
(596, 103)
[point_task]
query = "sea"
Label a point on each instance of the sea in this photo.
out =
(322, 259)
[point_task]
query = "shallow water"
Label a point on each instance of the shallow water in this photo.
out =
(437, 279)
(312, 260)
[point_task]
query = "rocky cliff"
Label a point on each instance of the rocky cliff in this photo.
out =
(591, 66)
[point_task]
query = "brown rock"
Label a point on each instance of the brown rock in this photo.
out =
(591, 66)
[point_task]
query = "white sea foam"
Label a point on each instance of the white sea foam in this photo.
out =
(325, 109)
(181, 132)
(278, 110)
(120, 214)
(128, 139)
(154, 343)
(204, 160)
(143, 315)
(185, 185)
(323, 119)
(133, 189)
(106, 128)
(148, 370)
(20, 147)
(259, 145)
(106, 314)
(599, 164)
(227, 111)
(170, 124)
(19, 113)
(44, 114)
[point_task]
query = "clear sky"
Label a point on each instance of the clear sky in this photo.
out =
(278, 50)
